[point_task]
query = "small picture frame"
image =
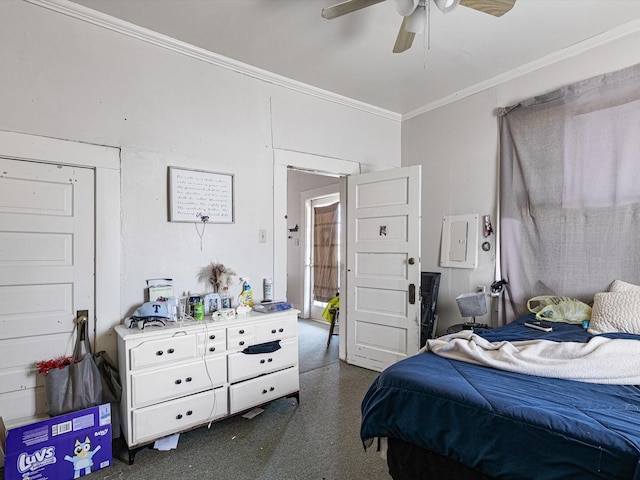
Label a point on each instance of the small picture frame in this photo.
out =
(212, 303)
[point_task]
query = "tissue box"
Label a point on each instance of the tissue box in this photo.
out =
(62, 447)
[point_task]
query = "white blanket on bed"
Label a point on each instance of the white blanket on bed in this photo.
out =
(601, 360)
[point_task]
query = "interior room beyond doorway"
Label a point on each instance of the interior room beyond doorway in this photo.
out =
(304, 192)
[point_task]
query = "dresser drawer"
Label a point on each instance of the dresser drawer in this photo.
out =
(163, 350)
(240, 336)
(177, 381)
(285, 327)
(245, 395)
(158, 421)
(243, 366)
(210, 342)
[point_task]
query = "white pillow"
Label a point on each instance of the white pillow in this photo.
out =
(620, 286)
(616, 312)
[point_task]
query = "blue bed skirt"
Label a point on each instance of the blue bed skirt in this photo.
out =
(508, 425)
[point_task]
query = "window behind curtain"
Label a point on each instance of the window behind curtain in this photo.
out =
(325, 252)
(570, 191)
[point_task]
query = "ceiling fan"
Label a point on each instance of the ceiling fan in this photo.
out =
(415, 13)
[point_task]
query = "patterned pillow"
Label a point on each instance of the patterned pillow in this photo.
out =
(617, 311)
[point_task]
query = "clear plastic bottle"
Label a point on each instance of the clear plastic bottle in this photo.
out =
(226, 297)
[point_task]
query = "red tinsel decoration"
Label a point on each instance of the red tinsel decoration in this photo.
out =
(45, 366)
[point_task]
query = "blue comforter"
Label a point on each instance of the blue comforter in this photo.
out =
(508, 425)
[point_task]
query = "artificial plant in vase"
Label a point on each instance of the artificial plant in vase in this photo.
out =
(216, 276)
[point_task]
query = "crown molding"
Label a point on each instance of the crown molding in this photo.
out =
(571, 51)
(85, 14)
(80, 12)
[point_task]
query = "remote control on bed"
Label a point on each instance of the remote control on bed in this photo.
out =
(545, 327)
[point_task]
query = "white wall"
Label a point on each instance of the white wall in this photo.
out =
(66, 78)
(457, 145)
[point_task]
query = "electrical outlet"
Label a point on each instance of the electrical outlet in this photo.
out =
(262, 236)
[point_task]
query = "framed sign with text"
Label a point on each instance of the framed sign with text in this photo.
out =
(194, 194)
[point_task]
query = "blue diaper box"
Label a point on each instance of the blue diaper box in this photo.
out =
(59, 448)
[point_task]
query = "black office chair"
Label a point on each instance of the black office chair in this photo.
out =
(335, 312)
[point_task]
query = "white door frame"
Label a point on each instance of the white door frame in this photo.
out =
(105, 161)
(282, 160)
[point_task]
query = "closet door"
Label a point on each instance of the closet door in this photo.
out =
(46, 272)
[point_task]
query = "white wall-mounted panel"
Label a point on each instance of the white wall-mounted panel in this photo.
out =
(459, 248)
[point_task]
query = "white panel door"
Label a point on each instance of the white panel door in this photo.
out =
(383, 267)
(46, 273)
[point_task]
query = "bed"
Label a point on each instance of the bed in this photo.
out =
(438, 417)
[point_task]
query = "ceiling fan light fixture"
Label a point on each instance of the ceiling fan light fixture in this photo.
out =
(417, 21)
(406, 7)
(446, 6)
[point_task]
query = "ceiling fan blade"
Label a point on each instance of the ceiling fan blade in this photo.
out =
(497, 8)
(347, 7)
(404, 39)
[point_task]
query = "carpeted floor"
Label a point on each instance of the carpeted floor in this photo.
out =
(318, 439)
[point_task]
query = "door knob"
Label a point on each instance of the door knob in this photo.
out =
(412, 260)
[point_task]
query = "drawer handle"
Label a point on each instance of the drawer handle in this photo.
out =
(178, 382)
(270, 360)
(189, 412)
(271, 389)
(273, 331)
(264, 391)
(212, 349)
(281, 330)
(262, 361)
(212, 337)
(189, 379)
(171, 350)
(241, 331)
(241, 343)
(179, 416)
(159, 352)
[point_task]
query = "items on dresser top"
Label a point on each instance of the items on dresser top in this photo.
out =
(188, 374)
(269, 307)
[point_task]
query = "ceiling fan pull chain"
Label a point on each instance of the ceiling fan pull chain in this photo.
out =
(429, 26)
(426, 40)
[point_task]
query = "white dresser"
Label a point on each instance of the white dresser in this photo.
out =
(187, 374)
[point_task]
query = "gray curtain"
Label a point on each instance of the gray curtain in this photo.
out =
(570, 191)
(325, 252)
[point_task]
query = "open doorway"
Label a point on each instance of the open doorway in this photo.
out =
(305, 191)
(321, 250)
